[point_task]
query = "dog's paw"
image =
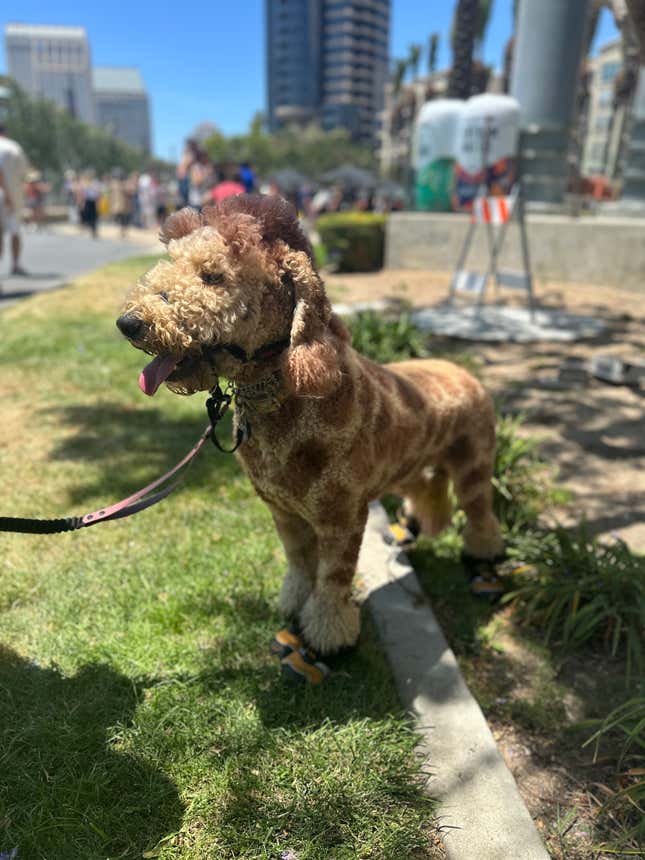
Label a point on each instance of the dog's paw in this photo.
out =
(293, 596)
(329, 623)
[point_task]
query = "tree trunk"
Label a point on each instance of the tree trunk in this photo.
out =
(462, 48)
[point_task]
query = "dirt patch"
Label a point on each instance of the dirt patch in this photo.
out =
(594, 432)
(535, 703)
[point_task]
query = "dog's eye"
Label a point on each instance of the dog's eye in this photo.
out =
(163, 296)
(212, 278)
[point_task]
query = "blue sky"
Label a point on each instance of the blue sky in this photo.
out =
(205, 60)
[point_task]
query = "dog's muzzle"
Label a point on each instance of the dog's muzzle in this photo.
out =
(130, 325)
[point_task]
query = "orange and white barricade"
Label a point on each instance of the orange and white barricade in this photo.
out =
(492, 210)
(495, 213)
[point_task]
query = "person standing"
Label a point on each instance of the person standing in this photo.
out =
(90, 191)
(247, 177)
(13, 170)
(120, 202)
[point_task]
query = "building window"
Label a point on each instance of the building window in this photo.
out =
(609, 70)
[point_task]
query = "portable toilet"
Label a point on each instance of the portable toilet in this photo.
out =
(486, 147)
(433, 155)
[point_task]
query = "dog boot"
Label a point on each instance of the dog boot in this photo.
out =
(405, 531)
(301, 665)
(484, 581)
(285, 641)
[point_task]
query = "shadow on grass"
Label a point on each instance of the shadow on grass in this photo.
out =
(64, 791)
(133, 446)
(359, 687)
(447, 587)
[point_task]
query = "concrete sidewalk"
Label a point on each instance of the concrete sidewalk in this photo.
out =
(480, 806)
(53, 259)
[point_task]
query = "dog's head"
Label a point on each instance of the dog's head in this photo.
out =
(240, 278)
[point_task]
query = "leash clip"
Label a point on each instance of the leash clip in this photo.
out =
(217, 406)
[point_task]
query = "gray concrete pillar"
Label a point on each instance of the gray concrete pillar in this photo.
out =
(544, 79)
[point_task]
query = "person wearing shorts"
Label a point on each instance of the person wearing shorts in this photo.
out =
(13, 169)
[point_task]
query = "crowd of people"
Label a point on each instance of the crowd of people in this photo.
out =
(136, 199)
(144, 199)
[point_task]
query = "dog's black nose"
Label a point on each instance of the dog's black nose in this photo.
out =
(129, 325)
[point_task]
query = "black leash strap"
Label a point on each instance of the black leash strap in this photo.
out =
(40, 527)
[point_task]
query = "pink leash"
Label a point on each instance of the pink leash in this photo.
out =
(138, 501)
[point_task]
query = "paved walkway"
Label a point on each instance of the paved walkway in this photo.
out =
(52, 259)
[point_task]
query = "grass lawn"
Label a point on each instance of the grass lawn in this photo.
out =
(140, 712)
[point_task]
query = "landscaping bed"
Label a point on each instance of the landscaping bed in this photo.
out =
(541, 702)
(141, 714)
(564, 649)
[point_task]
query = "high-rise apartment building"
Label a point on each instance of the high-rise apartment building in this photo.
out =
(293, 61)
(52, 62)
(327, 61)
(355, 59)
(121, 105)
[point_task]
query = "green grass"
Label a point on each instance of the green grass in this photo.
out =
(140, 712)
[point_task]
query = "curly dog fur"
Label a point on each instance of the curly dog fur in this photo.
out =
(345, 429)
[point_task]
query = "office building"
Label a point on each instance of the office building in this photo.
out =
(327, 62)
(604, 125)
(53, 63)
(121, 105)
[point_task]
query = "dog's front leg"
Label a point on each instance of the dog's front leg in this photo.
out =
(299, 542)
(330, 620)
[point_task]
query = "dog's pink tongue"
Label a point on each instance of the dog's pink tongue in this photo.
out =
(155, 373)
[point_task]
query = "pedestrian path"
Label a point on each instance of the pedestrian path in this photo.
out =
(53, 259)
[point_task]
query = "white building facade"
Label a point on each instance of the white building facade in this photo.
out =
(54, 63)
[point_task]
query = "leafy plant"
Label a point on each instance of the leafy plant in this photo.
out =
(581, 591)
(385, 339)
(522, 483)
(627, 722)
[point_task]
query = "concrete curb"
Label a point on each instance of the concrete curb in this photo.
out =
(481, 808)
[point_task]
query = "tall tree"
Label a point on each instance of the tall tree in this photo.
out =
(463, 43)
(414, 58)
(399, 73)
(507, 62)
(433, 51)
(483, 17)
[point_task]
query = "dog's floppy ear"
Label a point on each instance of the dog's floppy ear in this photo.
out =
(311, 365)
(180, 224)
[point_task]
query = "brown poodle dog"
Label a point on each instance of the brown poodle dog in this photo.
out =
(240, 298)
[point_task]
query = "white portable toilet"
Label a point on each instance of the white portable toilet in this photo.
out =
(433, 154)
(486, 147)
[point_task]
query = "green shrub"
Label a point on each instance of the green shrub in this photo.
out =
(385, 339)
(579, 591)
(522, 480)
(627, 724)
(320, 254)
(354, 241)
